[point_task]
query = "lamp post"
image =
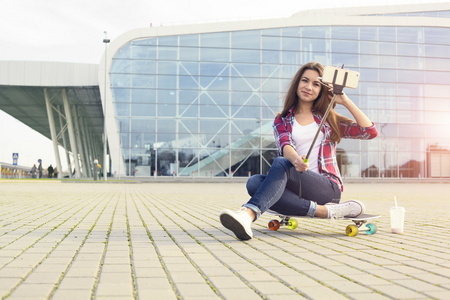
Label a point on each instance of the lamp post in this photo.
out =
(105, 139)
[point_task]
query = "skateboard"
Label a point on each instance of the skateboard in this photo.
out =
(350, 230)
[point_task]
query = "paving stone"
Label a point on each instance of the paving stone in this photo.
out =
(8, 284)
(74, 283)
(367, 296)
(18, 272)
(115, 289)
(115, 277)
(43, 277)
(195, 289)
(239, 293)
(216, 271)
(156, 294)
(32, 290)
(187, 277)
(224, 282)
(398, 292)
(346, 286)
(272, 287)
(75, 271)
(321, 292)
(441, 295)
(62, 294)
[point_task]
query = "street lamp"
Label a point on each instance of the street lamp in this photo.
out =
(105, 139)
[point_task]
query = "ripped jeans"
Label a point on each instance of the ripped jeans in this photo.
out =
(279, 189)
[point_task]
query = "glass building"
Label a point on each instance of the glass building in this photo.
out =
(199, 100)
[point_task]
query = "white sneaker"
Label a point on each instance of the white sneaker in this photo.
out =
(350, 209)
(239, 222)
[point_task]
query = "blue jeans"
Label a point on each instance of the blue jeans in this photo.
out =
(279, 189)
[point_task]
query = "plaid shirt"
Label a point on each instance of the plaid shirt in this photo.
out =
(327, 162)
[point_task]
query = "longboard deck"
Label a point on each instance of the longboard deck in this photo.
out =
(351, 230)
(358, 218)
(363, 217)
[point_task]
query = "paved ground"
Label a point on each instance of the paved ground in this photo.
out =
(164, 241)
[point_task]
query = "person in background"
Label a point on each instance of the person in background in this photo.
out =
(40, 169)
(33, 171)
(50, 171)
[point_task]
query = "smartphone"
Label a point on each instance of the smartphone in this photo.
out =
(337, 76)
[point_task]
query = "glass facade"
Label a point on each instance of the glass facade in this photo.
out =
(203, 104)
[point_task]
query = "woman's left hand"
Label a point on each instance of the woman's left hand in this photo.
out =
(340, 99)
(359, 116)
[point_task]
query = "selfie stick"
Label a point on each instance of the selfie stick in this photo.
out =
(337, 90)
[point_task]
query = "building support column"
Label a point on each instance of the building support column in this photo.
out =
(79, 143)
(51, 122)
(72, 137)
(88, 161)
(90, 146)
(62, 125)
(93, 148)
(92, 152)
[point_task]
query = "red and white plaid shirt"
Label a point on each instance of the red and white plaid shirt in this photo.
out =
(327, 162)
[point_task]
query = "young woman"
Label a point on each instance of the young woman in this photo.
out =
(319, 178)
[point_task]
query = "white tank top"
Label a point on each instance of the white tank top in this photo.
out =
(303, 136)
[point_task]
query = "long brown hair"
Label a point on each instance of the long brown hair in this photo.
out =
(320, 105)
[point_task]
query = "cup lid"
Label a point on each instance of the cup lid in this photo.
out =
(397, 208)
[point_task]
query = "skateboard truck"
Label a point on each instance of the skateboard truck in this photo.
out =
(352, 230)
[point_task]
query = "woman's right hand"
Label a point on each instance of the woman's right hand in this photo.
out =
(300, 164)
(297, 161)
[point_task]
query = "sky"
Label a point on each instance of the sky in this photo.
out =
(73, 31)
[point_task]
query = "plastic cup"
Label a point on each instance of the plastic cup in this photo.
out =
(397, 219)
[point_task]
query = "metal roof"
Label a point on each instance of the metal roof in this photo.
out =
(22, 95)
